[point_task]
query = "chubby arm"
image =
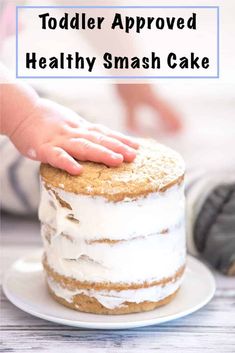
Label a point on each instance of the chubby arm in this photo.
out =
(51, 133)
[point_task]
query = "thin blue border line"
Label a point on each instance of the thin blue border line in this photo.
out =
(122, 77)
(17, 42)
(116, 7)
(218, 41)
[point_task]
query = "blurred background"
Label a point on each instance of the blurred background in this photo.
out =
(194, 116)
(206, 107)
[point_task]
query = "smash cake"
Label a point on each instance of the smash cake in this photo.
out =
(114, 238)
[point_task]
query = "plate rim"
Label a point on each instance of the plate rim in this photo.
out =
(24, 306)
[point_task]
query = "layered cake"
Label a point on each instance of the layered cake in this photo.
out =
(114, 238)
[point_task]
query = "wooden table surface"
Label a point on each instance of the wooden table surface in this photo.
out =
(211, 329)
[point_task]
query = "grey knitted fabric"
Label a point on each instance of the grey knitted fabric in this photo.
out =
(214, 228)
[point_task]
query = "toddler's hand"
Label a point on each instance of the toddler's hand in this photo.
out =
(56, 135)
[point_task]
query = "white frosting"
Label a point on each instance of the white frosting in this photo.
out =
(99, 218)
(147, 258)
(113, 299)
(144, 254)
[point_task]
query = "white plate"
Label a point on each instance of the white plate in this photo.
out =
(24, 285)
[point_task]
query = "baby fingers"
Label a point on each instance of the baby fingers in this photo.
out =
(59, 158)
(127, 140)
(110, 143)
(86, 150)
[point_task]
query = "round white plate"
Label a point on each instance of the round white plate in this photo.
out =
(24, 285)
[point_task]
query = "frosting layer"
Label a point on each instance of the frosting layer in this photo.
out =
(143, 259)
(113, 299)
(92, 218)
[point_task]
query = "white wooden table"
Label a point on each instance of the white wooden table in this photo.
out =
(211, 329)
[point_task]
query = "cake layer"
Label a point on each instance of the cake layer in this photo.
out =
(155, 168)
(112, 299)
(92, 218)
(141, 259)
(88, 304)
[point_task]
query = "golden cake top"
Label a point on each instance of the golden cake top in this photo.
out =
(155, 169)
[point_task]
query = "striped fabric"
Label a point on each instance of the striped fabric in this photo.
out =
(210, 205)
(18, 180)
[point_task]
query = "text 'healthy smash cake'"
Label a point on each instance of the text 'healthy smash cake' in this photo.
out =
(114, 238)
